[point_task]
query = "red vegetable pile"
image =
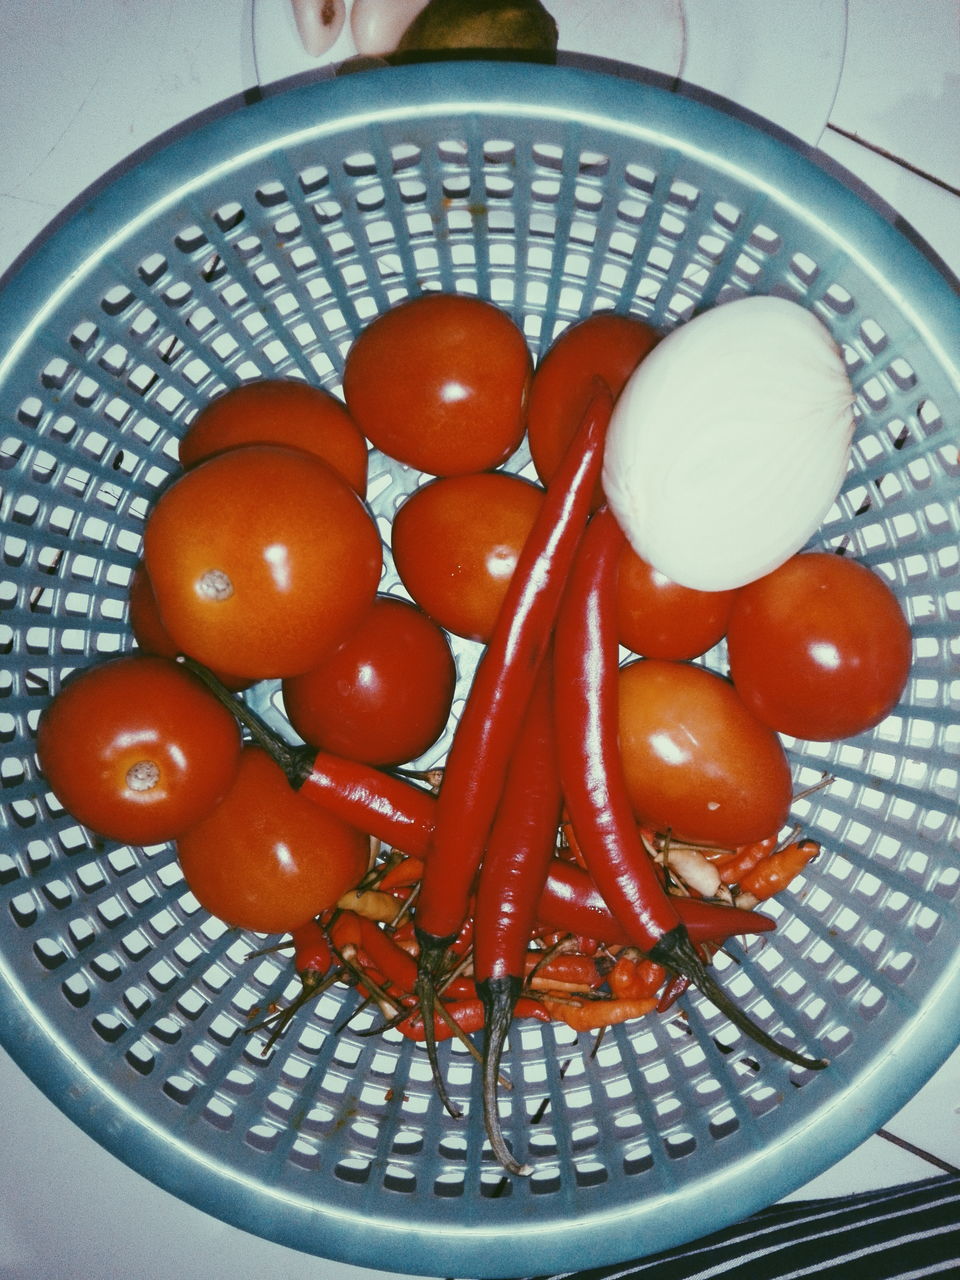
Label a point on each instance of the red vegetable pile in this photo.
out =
(597, 829)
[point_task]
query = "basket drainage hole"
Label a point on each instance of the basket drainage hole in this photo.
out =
(356, 1171)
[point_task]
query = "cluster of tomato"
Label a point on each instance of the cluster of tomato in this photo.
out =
(262, 561)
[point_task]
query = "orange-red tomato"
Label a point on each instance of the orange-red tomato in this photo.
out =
(280, 411)
(137, 749)
(385, 695)
(658, 618)
(606, 345)
(819, 648)
(148, 629)
(696, 761)
(456, 542)
(440, 382)
(263, 560)
(266, 858)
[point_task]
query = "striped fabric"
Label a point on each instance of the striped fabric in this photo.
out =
(895, 1234)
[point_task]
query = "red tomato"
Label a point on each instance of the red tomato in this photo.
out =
(279, 411)
(137, 749)
(455, 545)
(819, 648)
(606, 345)
(267, 858)
(384, 697)
(440, 383)
(148, 629)
(262, 559)
(697, 762)
(660, 619)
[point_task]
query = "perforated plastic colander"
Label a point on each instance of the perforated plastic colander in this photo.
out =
(258, 246)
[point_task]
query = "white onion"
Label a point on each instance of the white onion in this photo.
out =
(729, 443)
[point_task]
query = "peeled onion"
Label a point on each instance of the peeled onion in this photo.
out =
(729, 443)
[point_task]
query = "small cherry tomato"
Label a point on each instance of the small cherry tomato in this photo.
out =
(385, 695)
(606, 345)
(148, 629)
(262, 560)
(440, 382)
(456, 542)
(280, 411)
(137, 749)
(267, 858)
(696, 761)
(660, 619)
(819, 648)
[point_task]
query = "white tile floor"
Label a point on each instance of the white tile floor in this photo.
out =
(85, 85)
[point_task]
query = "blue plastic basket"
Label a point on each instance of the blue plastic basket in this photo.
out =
(258, 246)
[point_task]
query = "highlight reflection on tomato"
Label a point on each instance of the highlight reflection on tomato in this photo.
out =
(385, 695)
(819, 648)
(697, 762)
(658, 618)
(266, 858)
(137, 749)
(455, 544)
(440, 383)
(262, 560)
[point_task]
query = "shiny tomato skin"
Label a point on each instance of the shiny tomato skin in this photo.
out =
(606, 345)
(440, 382)
(696, 761)
(148, 629)
(384, 697)
(266, 858)
(262, 560)
(137, 749)
(819, 649)
(280, 411)
(455, 544)
(658, 618)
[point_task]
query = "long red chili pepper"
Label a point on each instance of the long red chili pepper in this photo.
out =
(485, 736)
(512, 875)
(571, 903)
(595, 792)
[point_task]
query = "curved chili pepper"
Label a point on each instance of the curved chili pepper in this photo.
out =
(512, 875)
(594, 1015)
(775, 872)
(744, 859)
(572, 903)
(595, 791)
(485, 736)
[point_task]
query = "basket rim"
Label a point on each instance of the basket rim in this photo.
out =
(676, 123)
(923, 289)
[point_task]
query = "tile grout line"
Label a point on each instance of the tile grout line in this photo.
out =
(917, 1151)
(894, 159)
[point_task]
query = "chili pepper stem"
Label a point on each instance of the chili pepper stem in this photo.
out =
(430, 959)
(294, 761)
(676, 952)
(499, 996)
